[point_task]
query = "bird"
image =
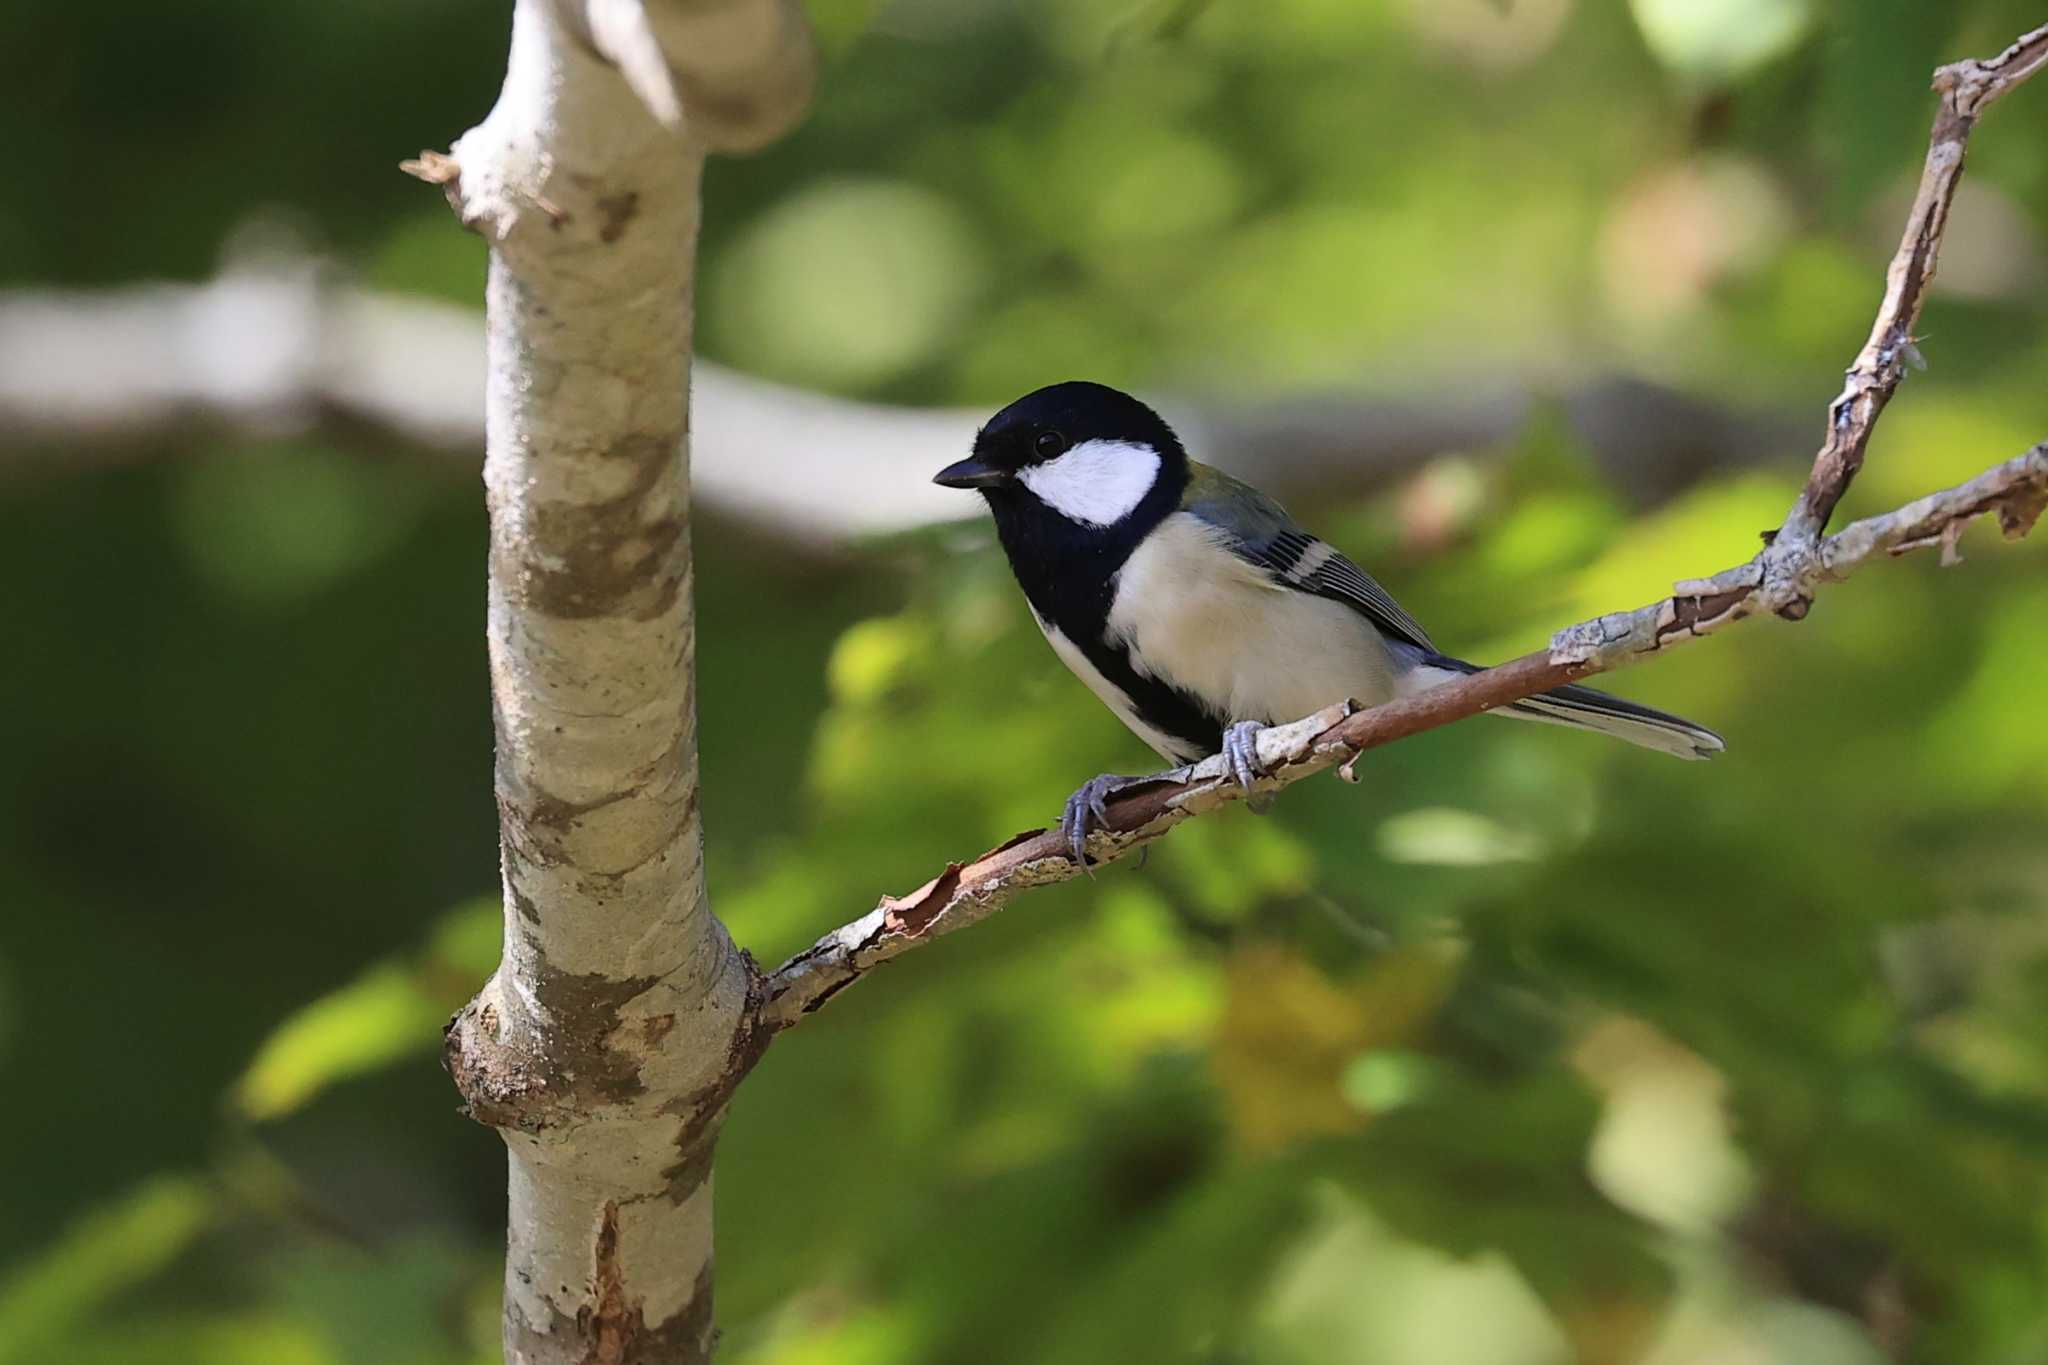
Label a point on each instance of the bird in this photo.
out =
(1195, 608)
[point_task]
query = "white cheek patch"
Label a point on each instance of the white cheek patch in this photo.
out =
(1096, 483)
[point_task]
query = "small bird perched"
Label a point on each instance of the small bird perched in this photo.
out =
(1195, 608)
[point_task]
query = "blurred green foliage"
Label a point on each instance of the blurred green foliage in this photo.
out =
(1525, 1049)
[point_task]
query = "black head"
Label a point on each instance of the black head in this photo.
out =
(1076, 475)
(1086, 453)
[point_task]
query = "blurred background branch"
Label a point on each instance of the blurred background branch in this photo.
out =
(275, 345)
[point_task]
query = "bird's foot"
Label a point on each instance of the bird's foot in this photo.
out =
(1087, 810)
(1241, 752)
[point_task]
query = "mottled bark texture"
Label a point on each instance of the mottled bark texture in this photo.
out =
(607, 1044)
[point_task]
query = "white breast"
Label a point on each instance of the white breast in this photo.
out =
(1199, 617)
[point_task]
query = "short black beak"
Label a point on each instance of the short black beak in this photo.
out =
(971, 473)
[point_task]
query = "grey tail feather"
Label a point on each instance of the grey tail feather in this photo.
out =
(1585, 709)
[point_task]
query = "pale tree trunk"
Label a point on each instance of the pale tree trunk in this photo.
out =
(607, 1044)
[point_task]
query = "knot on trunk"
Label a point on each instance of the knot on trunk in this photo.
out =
(583, 1062)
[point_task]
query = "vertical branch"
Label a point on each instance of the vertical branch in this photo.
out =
(606, 1045)
(1966, 90)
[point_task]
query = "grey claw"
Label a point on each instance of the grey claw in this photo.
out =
(1241, 752)
(1088, 810)
(1073, 829)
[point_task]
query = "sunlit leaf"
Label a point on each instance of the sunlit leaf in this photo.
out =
(271, 526)
(121, 1244)
(1354, 1291)
(871, 656)
(1720, 39)
(1290, 1036)
(404, 1305)
(186, 1338)
(851, 282)
(838, 24)
(376, 1019)
(392, 1011)
(1387, 1078)
(1454, 838)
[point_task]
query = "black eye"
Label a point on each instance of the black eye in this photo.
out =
(1049, 444)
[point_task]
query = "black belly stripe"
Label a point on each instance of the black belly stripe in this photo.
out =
(1164, 707)
(1068, 574)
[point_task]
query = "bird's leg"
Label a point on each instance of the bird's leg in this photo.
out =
(1241, 752)
(1086, 809)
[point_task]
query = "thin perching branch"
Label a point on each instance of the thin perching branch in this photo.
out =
(1780, 579)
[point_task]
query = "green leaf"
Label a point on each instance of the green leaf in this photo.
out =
(111, 1249)
(373, 1021)
(1472, 1167)
(1713, 41)
(393, 1011)
(181, 1338)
